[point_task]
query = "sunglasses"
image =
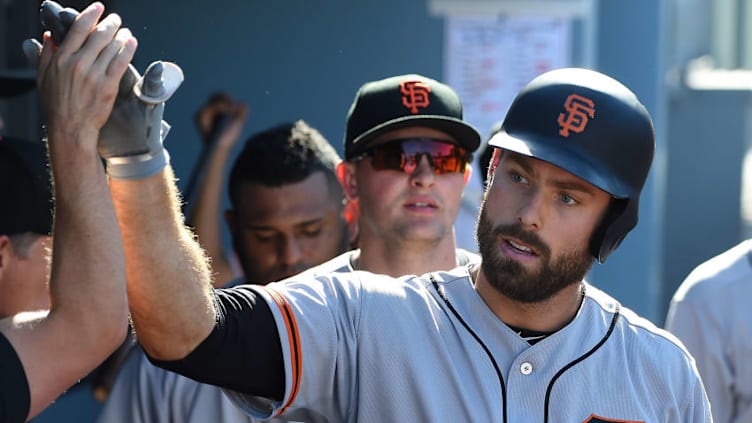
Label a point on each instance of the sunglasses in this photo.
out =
(405, 155)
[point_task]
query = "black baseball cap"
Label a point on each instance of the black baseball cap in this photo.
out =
(403, 101)
(25, 189)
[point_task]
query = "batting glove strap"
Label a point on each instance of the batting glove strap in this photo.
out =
(137, 167)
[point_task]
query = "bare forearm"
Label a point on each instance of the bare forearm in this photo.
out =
(88, 262)
(169, 288)
(206, 216)
(88, 312)
(78, 79)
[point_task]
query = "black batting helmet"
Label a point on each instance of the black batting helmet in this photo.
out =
(591, 126)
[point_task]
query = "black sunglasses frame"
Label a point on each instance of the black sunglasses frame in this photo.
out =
(439, 163)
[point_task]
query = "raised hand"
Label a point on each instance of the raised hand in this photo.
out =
(131, 139)
(78, 79)
(220, 121)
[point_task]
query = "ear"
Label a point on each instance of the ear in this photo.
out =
(6, 253)
(468, 172)
(352, 214)
(495, 159)
(346, 178)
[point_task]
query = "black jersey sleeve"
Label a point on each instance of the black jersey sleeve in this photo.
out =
(242, 353)
(15, 397)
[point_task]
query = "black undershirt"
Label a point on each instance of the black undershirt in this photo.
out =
(531, 336)
(15, 397)
(243, 352)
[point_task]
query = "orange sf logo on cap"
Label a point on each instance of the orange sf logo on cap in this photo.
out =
(579, 109)
(414, 95)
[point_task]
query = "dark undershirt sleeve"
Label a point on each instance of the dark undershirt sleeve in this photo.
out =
(242, 353)
(15, 397)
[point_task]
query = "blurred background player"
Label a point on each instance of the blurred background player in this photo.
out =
(219, 122)
(25, 227)
(710, 314)
(292, 212)
(406, 166)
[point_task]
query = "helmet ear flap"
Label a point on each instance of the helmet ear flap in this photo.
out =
(620, 218)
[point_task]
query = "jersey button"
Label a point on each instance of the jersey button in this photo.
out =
(526, 368)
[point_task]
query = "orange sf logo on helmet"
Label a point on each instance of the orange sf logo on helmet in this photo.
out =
(579, 109)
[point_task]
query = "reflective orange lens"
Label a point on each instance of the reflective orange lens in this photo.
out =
(405, 154)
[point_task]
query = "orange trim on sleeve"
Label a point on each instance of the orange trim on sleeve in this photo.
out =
(293, 336)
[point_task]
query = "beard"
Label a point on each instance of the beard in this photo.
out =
(513, 280)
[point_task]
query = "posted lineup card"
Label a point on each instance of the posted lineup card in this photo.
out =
(489, 59)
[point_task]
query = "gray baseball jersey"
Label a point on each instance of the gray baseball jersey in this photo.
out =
(368, 348)
(710, 313)
(344, 263)
(144, 393)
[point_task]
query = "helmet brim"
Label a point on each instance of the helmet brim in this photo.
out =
(564, 158)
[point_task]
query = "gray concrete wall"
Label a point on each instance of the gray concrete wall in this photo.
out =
(709, 133)
(630, 46)
(287, 59)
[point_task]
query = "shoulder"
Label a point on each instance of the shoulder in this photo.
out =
(648, 349)
(652, 355)
(326, 288)
(465, 257)
(458, 274)
(353, 289)
(721, 275)
(341, 263)
(637, 333)
(637, 346)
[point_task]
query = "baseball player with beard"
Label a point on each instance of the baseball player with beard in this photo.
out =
(570, 162)
(521, 337)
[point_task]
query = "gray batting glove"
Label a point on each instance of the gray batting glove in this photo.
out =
(131, 140)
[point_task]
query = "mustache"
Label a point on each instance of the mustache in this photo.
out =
(529, 238)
